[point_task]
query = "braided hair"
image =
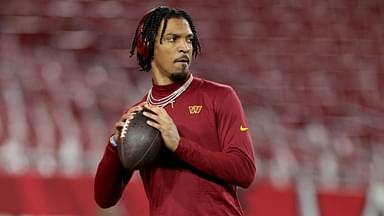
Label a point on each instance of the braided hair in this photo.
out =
(144, 40)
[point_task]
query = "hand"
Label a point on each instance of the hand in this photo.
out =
(164, 123)
(126, 116)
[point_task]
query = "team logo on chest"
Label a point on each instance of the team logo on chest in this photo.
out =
(195, 109)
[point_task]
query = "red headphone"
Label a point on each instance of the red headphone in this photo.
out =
(141, 42)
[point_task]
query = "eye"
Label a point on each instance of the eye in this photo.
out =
(190, 40)
(171, 39)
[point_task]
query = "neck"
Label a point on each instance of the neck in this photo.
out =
(160, 80)
(175, 78)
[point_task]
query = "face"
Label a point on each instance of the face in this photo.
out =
(173, 56)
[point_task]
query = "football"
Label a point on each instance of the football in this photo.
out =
(140, 143)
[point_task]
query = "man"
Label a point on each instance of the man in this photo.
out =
(208, 146)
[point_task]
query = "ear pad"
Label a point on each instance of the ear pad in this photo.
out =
(141, 42)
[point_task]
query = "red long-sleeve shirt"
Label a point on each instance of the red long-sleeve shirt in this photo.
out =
(214, 156)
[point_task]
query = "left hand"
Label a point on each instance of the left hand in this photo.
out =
(164, 123)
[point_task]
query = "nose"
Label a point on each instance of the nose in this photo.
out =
(185, 47)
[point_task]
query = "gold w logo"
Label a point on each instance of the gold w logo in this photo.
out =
(195, 109)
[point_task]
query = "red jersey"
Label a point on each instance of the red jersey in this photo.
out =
(214, 156)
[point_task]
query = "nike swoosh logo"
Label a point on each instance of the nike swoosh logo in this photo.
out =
(242, 129)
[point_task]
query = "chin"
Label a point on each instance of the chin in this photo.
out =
(179, 76)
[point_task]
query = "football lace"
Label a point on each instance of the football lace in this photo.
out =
(124, 130)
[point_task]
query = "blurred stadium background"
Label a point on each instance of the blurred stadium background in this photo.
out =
(310, 74)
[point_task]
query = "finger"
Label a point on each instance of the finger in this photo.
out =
(128, 116)
(153, 124)
(152, 116)
(118, 125)
(124, 118)
(152, 108)
(137, 108)
(160, 111)
(131, 111)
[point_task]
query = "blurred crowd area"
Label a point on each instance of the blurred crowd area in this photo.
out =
(310, 75)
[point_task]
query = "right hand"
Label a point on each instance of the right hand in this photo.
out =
(126, 116)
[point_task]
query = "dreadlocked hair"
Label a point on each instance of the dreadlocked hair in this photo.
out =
(144, 39)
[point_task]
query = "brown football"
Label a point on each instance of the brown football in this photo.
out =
(140, 143)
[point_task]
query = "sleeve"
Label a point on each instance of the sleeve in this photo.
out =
(235, 163)
(111, 178)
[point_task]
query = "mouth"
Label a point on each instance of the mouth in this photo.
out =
(182, 59)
